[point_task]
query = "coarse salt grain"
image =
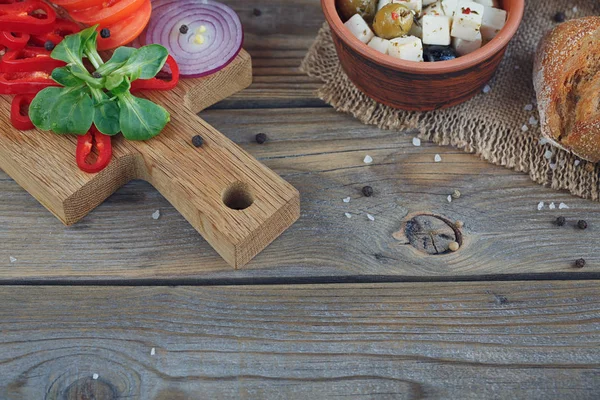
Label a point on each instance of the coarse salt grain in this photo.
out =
(563, 206)
(437, 158)
(543, 141)
(528, 107)
(575, 9)
(95, 376)
(487, 89)
(576, 163)
(548, 154)
(348, 215)
(371, 218)
(517, 67)
(449, 198)
(346, 200)
(524, 128)
(12, 259)
(416, 142)
(533, 121)
(540, 206)
(552, 166)
(552, 206)
(368, 159)
(153, 351)
(156, 214)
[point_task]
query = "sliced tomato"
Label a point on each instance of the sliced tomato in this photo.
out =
(77, 4)
(127, 30)
(108, 13)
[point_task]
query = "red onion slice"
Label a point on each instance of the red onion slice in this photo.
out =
(218, 26)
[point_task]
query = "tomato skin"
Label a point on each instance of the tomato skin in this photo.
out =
(110, 14)
(77, 4)
(125, 31)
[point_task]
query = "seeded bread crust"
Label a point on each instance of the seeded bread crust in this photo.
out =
(566, 78)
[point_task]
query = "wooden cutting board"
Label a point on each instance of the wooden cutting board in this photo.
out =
(237, 204)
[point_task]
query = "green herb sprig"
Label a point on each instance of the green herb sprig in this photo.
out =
(103, 97)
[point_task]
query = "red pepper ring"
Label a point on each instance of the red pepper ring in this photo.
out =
(19, 112)
(85, 144)
(25, 82)
(60, 29)
(156, 83)
(29, 59)
(14, 41)
(21, 17)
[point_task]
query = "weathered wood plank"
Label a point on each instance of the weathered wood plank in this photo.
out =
(392, 341)
(320, 152)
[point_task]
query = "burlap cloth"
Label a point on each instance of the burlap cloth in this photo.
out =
(491, 124)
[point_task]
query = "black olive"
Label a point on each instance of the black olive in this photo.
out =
(183, 29)
(105, 33)
(49, 45)
(438, 53)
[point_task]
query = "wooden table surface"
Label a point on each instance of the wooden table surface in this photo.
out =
(125, 306)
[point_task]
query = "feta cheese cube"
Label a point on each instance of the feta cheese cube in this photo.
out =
(467, 20)
(464, 47)
(407, 48)
(416, 29)
(436, 29)
(379, 44)
(359, 28)
(487, 3)
(383, 3)
(449, 7)
(493, 21)
(414, 5)
(433, 9)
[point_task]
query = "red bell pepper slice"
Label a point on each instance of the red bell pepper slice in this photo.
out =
(24, 82)
(85, 144)
(19, 112)
(14, 40)
(157, 83)
(29, 16)
(29, 59)
(60, 29)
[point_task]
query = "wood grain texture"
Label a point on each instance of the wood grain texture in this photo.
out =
(321, 153)
(203, 184)
(390, 341)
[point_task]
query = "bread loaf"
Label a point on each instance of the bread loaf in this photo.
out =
(566, 78)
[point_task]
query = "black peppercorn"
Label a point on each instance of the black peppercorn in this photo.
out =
(257, 12)
(367, 191)
(561, 221)
(105, 33)
(183, 29)
(49, 45)
(581, 224)
(261, 138)
(96, 74)
(560, 17)
(580, 263)
(197, 141)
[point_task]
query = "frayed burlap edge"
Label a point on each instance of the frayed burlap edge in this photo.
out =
(493, 140)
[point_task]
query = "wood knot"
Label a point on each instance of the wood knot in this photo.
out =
(431, 234)
(90, 389)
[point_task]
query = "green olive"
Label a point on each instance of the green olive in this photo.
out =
(392, 21)
(366, 9)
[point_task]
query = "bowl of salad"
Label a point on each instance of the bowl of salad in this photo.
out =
(421, 55)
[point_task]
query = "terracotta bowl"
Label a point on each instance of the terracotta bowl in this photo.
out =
(420, 86)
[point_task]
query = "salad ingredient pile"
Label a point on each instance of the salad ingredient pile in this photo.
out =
(102, 97)
(423, 30)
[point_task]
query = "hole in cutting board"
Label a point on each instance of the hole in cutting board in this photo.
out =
(238, 196)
